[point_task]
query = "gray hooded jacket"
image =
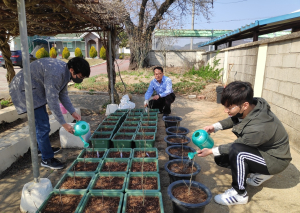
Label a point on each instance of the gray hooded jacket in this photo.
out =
(263, 130)
(49, 78)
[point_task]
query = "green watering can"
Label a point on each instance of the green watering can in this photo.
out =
(82, 128)
(202, 140)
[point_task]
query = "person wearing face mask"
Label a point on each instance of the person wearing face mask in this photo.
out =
(261, 149)
(49, 78)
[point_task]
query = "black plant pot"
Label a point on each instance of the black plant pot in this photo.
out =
(171, 121)
(170, 130)
(166, 139)
(176, 176)
(172, 157)
(182, 207)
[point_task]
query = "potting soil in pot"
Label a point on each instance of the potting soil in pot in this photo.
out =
(114, 167)
(65, 204)
(76, 183)
(146, 130)
(118, 155)
(87, 166)
(127, 130)
(144, 137)
(102, 204)
(142, 154)
(109, 183)
(148, 183)
(135, 204)
(177, 140)
(109, 123)
(127, 124)
(132, 119)
(178, 151)
(147, 167)
(112, 119)
(95, 154)
(105, 129)
(149, 119)
(125, 137)
(182, 168)
(101, 136)
(148, 124)
(194, 195)
(177, 131)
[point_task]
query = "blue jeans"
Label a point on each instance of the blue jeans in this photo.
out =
(42, 127)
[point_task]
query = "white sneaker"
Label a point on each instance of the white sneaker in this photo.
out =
(231, 197)
(256, 179)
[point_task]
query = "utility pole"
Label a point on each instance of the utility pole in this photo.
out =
(193, 16)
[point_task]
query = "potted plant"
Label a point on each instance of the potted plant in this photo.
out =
(177, 130)
(109, 181)
(74, 181)
(171, 121)
(145, 153)
(177, 140)
(149, 181)
(115, 165)
(179, 152)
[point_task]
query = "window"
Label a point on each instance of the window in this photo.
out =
(70, 45)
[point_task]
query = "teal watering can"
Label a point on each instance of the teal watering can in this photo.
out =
(82, 128)
(202, 140)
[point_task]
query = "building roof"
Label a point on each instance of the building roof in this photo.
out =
(261, 27)
(189, 33)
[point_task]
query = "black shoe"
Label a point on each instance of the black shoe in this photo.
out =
(52, 163)
(55, 150)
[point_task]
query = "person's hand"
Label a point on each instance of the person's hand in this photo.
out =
(204, 152)
(155, 97)
(209, 129)
(68, 128)
(76, 116)
(146, 103)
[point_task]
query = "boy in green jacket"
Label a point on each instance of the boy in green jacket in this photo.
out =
(261, 148)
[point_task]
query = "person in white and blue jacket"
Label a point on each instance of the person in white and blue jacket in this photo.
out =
(49, 79)
(164, 97)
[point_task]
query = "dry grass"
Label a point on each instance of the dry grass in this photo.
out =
(91, 61)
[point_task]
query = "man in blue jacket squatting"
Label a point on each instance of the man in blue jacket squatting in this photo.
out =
(261, 148)
(49, 79)
(163, 88)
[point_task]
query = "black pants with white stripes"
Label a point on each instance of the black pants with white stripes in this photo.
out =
(242, 160)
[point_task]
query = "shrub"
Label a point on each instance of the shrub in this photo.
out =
(53, 53)
(103, 53)
(4, 103)
(66, 53)
(93, 52)
(41, 53)
(208, 73)
(78, 52)
(121, 56)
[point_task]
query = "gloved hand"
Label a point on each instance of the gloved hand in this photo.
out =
(146, 103)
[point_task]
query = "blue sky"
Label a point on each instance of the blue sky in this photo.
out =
(245, 11)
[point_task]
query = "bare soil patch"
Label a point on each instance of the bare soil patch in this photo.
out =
(194, 195)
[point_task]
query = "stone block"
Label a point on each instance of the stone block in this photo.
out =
(285, 88)
(272, 49)
(271, 84)
(293, 75)
(251, 60)
(267, 95)
(289, 60)
(275, 60)
(292, 104)
(298, 61)
(253, 51)
(201, 97)
(284, 46)
(280, 74)
(296, 91)
(270, 72)
(192, 96)
(277, 99)
(294, 136)
(295, 46)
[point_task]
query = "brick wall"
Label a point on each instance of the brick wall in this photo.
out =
(281, 86)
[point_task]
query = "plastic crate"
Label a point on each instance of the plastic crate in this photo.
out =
(101, 142)
(126, 160)
(118, 150)
(107, 174)
(148, 174)
(146, 150)
(93, 160)
(83, 152)
(146, 160)
(141, 143)
(123, 143)
(71, 174)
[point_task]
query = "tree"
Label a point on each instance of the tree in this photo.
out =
(41, 53)
(143, 16)
(103, 53)
(53, 53)
(93, 52)
(78, 52)
(123, 37)
(65, 53)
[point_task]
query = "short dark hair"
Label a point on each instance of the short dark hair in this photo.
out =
(158, 68)
(237, 92)
(80, 65)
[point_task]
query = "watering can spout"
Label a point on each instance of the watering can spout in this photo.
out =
(85, 144)
(191, 155)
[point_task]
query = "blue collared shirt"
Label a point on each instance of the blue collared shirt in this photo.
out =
(162, 89)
